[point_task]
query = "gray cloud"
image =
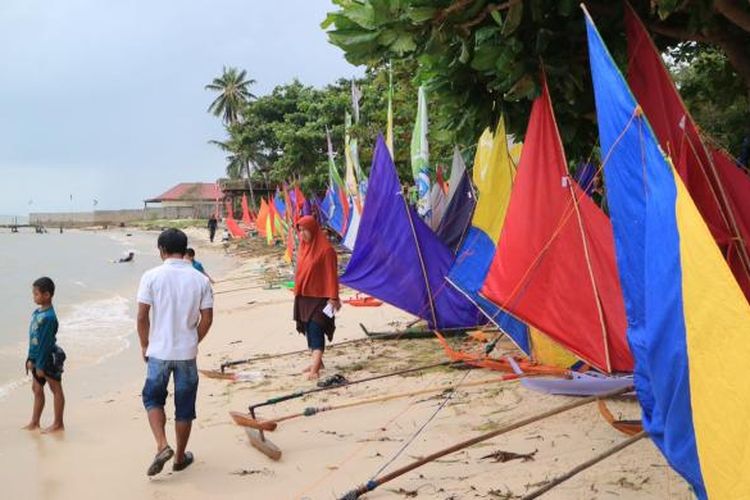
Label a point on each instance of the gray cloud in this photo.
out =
(104, 99)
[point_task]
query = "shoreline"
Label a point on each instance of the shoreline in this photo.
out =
(115, 309)
(107, 444)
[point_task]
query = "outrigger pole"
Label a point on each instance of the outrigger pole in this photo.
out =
(580, 468)
(379, 481)
(244, 420)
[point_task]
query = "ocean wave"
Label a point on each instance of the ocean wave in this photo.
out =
(90, 333)
(96, 330)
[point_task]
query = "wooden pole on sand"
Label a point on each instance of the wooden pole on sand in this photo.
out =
(585, 465)
(375, 483)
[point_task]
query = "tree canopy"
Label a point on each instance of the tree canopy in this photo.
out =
(480, 58)
(283, 134)
(233, 87)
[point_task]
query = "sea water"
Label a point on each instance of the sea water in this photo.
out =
(94, 297)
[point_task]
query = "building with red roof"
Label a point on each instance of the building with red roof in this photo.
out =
(202, 197)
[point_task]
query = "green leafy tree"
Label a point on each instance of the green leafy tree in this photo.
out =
(713, 93)
(480, 58)
(284, 132)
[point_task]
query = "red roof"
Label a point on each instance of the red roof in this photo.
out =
(191, 191)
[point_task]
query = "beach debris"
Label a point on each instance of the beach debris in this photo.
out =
(249, 376)
(501, 456)
(378, 481)
(585, 465)
(502, 494)
(406, 493)
(252, 472)
(333, 380)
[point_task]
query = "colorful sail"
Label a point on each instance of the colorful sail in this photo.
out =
(398, 259)
(473, 259)
(288, 206)
(270, 223)
(334, 212)
(720, 191)
(234, 229)
(246, 217)
(420, 156)
(688, 321)
(279, 223)
(228, 207)
(354, 146)
(441, 193)
(339, 201)
(461, 201)
(350, 178)
(351, 232)
(585, 175)
(232, 226)
(568, 247)
(262, 219)
(290, 245)
(389, 123)
(494, 172)
(298, 202)
(278, 202)
(438, 203)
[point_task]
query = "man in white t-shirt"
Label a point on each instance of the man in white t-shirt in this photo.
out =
(179, 300)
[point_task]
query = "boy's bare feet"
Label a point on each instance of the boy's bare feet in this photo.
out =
(30, 427)
(313, 376)
(53, 428)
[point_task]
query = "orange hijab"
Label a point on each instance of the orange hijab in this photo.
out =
(317, 265)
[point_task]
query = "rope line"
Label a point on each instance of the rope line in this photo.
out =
(414, 436)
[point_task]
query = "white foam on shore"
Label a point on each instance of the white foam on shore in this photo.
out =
(90, 333)
(9, 387)
(96, 330)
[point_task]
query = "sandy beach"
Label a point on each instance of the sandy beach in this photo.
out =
(107, 445)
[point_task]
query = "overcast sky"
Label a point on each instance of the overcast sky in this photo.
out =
(104, 99)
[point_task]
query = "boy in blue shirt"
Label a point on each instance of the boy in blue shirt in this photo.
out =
(190, 257)
(45, 358)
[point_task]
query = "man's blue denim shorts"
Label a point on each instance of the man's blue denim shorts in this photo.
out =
(155, 393)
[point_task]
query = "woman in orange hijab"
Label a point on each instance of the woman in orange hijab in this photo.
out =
(316, 290)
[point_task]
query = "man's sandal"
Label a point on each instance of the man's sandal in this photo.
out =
(160, 459)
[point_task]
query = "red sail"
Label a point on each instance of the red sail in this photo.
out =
(720, 190)
(555, 262)
(246, 218)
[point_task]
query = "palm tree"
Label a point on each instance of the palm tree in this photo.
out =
(234, 94)
(233, 89)
(239, 161)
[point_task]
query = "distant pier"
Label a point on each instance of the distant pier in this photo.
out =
(14, 228)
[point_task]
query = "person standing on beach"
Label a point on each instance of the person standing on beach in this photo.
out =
(212, 225)
(190, 257)
(316, 290)
(179, 302)
(45, 359)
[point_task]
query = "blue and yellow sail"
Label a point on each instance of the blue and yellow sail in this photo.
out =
(688, 321)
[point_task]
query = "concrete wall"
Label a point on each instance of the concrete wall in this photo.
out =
(113, 217)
